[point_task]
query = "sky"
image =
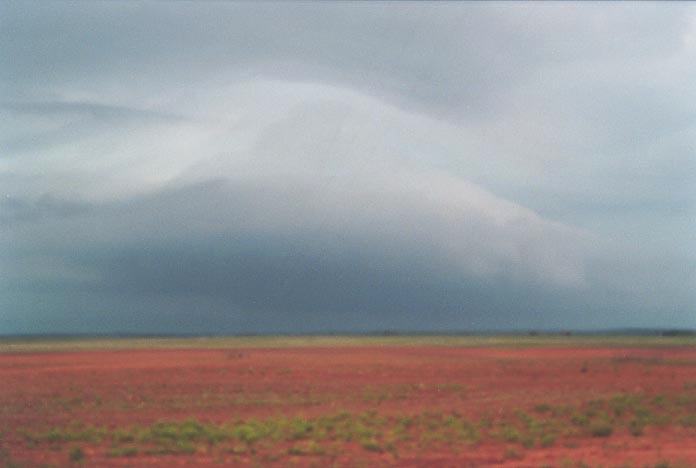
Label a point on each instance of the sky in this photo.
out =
(176, 167)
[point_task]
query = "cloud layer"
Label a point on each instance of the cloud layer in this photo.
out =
(258, 167)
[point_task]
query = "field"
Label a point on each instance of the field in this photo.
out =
(349, 401)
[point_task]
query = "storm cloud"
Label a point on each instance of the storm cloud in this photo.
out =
(241, 167)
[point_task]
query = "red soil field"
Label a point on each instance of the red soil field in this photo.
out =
(409, 406)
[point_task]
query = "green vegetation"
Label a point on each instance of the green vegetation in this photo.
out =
(308, 436)
(601, 428)
(375, 432)
(76, 454)
(309, 447)
(542, 408)
(512, 453)
(637, 427)
(72, 433)
(508, 341)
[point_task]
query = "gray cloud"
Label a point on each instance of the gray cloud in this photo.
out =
(13, 210)
(246, 167)
(60, 123)
(442, 56)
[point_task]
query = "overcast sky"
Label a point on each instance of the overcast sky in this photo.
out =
(299, 167)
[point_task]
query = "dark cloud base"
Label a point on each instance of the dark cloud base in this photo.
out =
(161, 264)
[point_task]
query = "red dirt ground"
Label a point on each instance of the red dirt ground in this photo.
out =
(121, 388)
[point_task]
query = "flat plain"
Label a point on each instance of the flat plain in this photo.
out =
(510, 401)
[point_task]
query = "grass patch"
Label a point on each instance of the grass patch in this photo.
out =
(511, 453)
(375, 432)
(9, 345)
(547, 440)
(76, 454)
(602, 428)
(637, 427)
(509, 434)
(688, 420)
(307, 448)
(371, 445)
(542, 408)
